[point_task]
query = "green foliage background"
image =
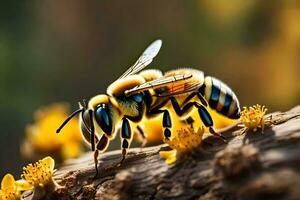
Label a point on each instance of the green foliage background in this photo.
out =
(52, 51)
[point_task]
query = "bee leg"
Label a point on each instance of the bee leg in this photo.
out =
(167, 124)
(192, 95)
(202, 99)
(101, 146)
(207, 120)
(142, 134)
(126, 137)
(96, 153)
(203, 113)
(124, 153)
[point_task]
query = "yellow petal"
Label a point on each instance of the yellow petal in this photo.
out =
(171, 160)
(23, 185)
(170, 156)
(8, 182)
(49, 162)
(166, 154)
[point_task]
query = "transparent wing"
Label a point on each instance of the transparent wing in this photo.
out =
(145, 59)
(166, 85)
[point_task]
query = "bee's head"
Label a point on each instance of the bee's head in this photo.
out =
(101, 115)
(104, 113)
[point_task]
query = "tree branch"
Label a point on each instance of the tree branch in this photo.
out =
(249, 166)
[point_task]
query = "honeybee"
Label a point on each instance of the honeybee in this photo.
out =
(138, 94)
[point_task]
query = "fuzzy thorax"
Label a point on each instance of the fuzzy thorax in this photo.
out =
(118, 87)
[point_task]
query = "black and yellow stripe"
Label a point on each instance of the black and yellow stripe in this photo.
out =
(220, 97)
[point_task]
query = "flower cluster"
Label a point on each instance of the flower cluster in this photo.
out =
(183, 140)
(34, 175)
(42, 140)
(253, 118)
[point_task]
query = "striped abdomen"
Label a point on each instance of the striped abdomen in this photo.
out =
(220, 97)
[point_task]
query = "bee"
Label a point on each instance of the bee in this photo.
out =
(138, 94)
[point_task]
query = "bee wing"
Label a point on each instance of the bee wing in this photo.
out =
(166, 85)
(145, 59)
(178, 88)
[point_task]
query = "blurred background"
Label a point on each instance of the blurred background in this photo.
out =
(64, 51)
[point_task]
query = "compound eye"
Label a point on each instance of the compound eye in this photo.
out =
(138, 98)
(103, 118)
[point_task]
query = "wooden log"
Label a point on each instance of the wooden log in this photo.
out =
(254, 165)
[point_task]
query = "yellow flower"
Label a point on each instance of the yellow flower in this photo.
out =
(39, 173)
(42, 138)
(253, 117)
(185, 139)
(9, 188)
(182, 140)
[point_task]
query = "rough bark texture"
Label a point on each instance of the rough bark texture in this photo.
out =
(249, 166)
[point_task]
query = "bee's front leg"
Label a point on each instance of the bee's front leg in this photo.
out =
(101, 147)
(96, 153)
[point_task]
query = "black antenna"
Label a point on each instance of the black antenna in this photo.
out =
(69, 118)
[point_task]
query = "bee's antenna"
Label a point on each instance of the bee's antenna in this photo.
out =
(69, 118)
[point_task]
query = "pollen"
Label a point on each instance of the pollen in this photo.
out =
(183, 140)
(253, 117)
(39, 173)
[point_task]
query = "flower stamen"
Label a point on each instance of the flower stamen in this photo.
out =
(39, 173)
(253, 117)
(183, 140)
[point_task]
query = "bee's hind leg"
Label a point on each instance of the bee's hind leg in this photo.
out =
(203, 113)
(208, 121)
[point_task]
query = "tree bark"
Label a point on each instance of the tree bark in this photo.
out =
(253, 165)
